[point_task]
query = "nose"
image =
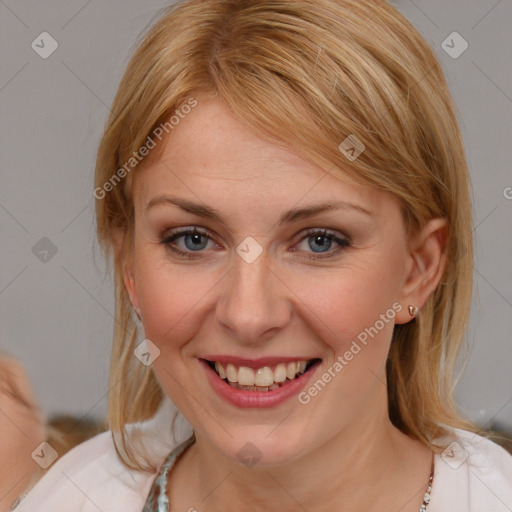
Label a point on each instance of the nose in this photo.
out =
(254, 303)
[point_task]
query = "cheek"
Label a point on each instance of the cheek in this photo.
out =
(352, 309)
(352, 313)
(170, 296)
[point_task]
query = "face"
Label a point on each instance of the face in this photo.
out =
(256, 286)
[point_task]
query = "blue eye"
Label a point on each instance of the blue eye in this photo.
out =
(321, 241)
(195, 240)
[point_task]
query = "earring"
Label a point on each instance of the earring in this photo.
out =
(412, 310)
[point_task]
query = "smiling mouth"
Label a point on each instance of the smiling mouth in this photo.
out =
(266, 378)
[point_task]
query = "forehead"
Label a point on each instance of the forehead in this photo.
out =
(213, 157)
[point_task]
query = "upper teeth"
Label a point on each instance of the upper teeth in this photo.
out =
(265, 376)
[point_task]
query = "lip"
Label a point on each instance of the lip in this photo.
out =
(257, 399)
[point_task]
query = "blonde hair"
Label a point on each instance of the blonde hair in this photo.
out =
(306, 74)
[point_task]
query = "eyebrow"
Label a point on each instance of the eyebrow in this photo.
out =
(290, 216)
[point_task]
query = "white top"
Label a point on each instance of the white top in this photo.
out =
(475, 475)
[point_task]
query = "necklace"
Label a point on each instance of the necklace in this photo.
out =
(157, 499)
(159, 502)
(426, 497)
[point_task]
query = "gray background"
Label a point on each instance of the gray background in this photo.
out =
(56, 315)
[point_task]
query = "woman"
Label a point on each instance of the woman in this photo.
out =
(283, 189)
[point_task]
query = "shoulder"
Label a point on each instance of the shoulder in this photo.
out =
(473, 474)
(80, 478)
(91, 476)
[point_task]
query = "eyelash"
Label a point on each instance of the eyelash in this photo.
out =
(167, 241)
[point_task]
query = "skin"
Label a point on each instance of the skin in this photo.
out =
(340, 447)
(22, 428)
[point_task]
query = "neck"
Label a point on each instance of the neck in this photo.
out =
(369, 465)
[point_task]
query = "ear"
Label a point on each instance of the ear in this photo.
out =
(424, 269)
(127, 268)
(129, 282)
